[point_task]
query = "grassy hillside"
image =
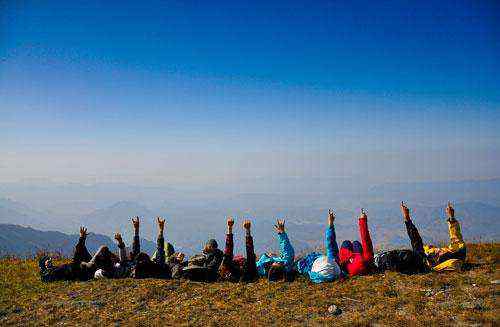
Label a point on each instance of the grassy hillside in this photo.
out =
(467, 297)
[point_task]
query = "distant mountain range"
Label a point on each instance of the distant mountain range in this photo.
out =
(191, 221)
(479, 222)
(26, 242)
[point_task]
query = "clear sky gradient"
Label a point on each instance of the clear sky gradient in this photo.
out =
(160, 92)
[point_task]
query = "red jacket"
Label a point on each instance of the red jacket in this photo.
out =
(358, 263)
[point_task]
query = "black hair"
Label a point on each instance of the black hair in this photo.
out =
(276, 273)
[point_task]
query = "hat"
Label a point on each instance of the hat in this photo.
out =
(212, 243)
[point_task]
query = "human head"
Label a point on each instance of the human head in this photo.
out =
(142, 265)
(211, 246)
(180, 256)
(276, 272)
(357, 247)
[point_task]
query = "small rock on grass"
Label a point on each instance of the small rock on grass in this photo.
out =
(334, 310)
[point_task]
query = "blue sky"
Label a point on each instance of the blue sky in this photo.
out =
(161, 92)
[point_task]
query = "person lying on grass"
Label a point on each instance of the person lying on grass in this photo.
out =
(140, 265)
(450, 257)
(356, 258)
(204, 267)
(318, 266)
(278, 267)
(237, 268)
(81, 267)
(424, 258)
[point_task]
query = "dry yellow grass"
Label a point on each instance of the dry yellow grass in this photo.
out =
(467, 297)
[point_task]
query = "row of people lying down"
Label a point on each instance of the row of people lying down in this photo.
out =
(353, 258)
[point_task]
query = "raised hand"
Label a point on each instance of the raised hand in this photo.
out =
(118, 238)
(450, 211)
(280, 226)
(230, 224)
(83, 232)
(405, 211)
(161, 223)
(247, 224)
(135, 222)
(331, 217)
(363, 214)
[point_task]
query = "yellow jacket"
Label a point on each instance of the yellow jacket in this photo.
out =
(450, 257)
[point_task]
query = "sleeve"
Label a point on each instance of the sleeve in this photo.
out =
(261, 264)
(81, 253)
(98, 255)
(251, 265)
(332, 248)
(366, 240)
(455, 232)
(286, 249)
(228, 251)
(123, 252)
(160, 250)
(136, 246)
(415, 239)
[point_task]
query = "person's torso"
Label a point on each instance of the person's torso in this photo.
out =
(355, 265)
(324, 267)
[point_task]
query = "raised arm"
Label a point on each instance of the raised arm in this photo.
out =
(121, 247)
(136, 245)
(364, 235)
(81, 253)
(229, 248)
(454, 227)
(415, 239)
(251, 265)
(332, 248)
(286, 249)
(160, 242)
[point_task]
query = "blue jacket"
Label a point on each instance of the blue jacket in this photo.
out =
(319, 267)
(286, 256)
